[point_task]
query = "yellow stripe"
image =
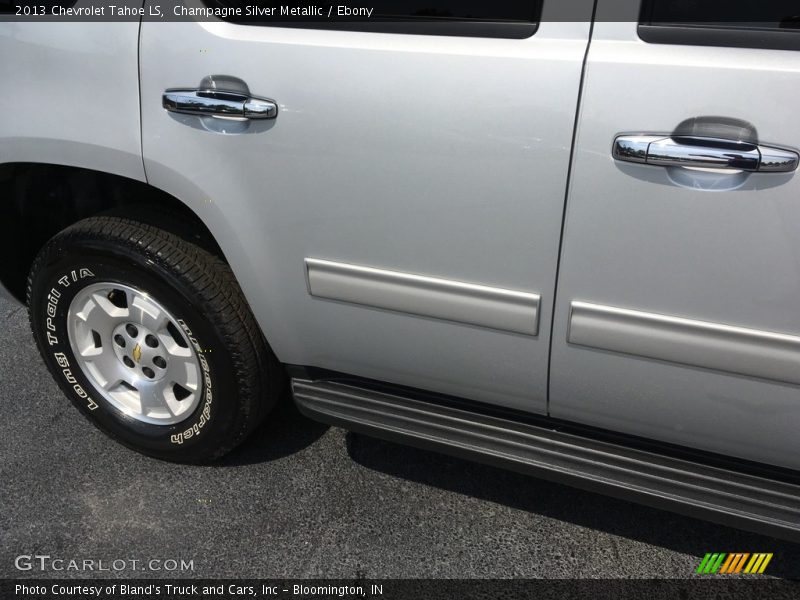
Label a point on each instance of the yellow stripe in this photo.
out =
(727, 563)
(740, 564)
(765, 563)
(753, 563)
(761, 557)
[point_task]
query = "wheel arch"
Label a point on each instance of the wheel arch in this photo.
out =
(37, 200)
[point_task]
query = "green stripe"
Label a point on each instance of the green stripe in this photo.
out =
(711, 562)
(718, 564)
(703, 562)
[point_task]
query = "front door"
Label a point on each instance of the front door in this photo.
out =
(399, 219)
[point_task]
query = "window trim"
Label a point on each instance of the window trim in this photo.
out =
(421, 25)
(728, 37)
(513, 30)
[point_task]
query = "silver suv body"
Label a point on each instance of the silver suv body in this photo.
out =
(570, 247)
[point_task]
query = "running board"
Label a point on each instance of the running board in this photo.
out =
(716, 494)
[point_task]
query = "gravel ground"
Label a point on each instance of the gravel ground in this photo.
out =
(304, 500)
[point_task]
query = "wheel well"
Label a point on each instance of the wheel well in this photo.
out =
(39, 200)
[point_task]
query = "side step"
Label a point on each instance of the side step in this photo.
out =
(721, 495)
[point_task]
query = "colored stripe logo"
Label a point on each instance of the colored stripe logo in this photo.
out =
(721, 563)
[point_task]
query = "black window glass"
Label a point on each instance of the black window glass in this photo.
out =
(756, 14)
(512, 19)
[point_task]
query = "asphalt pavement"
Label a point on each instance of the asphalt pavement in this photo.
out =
(300, 499)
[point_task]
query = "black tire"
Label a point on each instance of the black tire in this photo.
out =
(242, 378)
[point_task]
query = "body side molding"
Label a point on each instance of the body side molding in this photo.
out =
(474, 304)
(737, 350)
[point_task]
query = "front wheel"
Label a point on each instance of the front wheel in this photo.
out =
(151, 338)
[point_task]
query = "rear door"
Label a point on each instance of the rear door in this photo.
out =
(413, 181)
(678, 311)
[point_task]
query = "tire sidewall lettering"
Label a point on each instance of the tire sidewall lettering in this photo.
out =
(51, 313)
(208, 391)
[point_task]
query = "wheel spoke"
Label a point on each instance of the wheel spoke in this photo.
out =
(113, 384)
(146, 312)
(184, 372)
(172, 347)
(112, 311)
(152, 400)
(94, 322)
(106, 368)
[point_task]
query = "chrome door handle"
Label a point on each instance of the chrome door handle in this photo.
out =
(218, 103)
(703, 152)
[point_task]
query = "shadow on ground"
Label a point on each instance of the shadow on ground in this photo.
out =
(287, 431)
(284, 432)
(564, 503)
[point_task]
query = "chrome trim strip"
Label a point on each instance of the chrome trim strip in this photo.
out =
(496, 308)
(738, 350)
